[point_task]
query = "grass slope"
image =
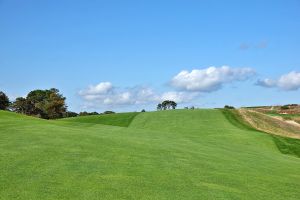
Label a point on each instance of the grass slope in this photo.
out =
(183, 154)
(294, 117)
(288, 145)
(120, 119)
(269, 124)
(285, 145)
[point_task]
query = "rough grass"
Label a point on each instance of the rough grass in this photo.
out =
(284, 115)
(269, 124)
(294, 117)
(184, 154)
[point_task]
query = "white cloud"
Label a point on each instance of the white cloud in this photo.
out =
(266, 82)
(105, 94)
(191, 84)
(209, 79)
(179, 97)
(290, 81)
(287, 82)
(101, 88)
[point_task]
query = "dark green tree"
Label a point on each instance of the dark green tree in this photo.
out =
(167, 104)
(84, 113)
(94, 113)
(228, 107)
(159, 106)
(47, 104)
(173, 104)
(70, 114)
(4, 101)
(36, 103)
(20, 105)
(109, 112)
(55, 105)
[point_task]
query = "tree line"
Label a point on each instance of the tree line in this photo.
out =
(51, 104)
(46, 104)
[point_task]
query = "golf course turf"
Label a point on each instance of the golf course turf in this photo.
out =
(177, 154)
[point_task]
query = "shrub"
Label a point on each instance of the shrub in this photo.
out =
(71, 114)
(109, 112)
(285, 107)
(228, 107)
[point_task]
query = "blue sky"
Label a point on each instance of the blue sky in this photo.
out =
(128, 55)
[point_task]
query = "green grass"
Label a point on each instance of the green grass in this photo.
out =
(120, 119)
(288, 145)
(234, 118)
(181, 154)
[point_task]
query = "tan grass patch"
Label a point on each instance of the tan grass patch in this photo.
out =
(272, 125)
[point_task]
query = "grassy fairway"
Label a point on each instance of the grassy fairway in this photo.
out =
(122, 119)
(181, 154)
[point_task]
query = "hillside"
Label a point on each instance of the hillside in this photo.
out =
(120, 119)
(290, 112)
(180, 154)
(270, 124)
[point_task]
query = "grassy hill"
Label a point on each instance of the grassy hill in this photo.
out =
(120, 119)
(180, 154)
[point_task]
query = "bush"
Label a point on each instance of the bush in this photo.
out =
(94, 113)
(109, 112)
(292, 105)
(228, 107)
(87, 113)
(285, 107)
(71, 114)
(287, 117)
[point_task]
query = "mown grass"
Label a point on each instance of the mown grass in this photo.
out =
(288, 145)
(183, 154)
(120, 119)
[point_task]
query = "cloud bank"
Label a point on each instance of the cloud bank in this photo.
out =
(209, 79)
(186, 86)
(286, 82)
(105, 94)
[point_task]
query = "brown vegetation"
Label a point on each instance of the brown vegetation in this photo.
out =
(269, 124)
